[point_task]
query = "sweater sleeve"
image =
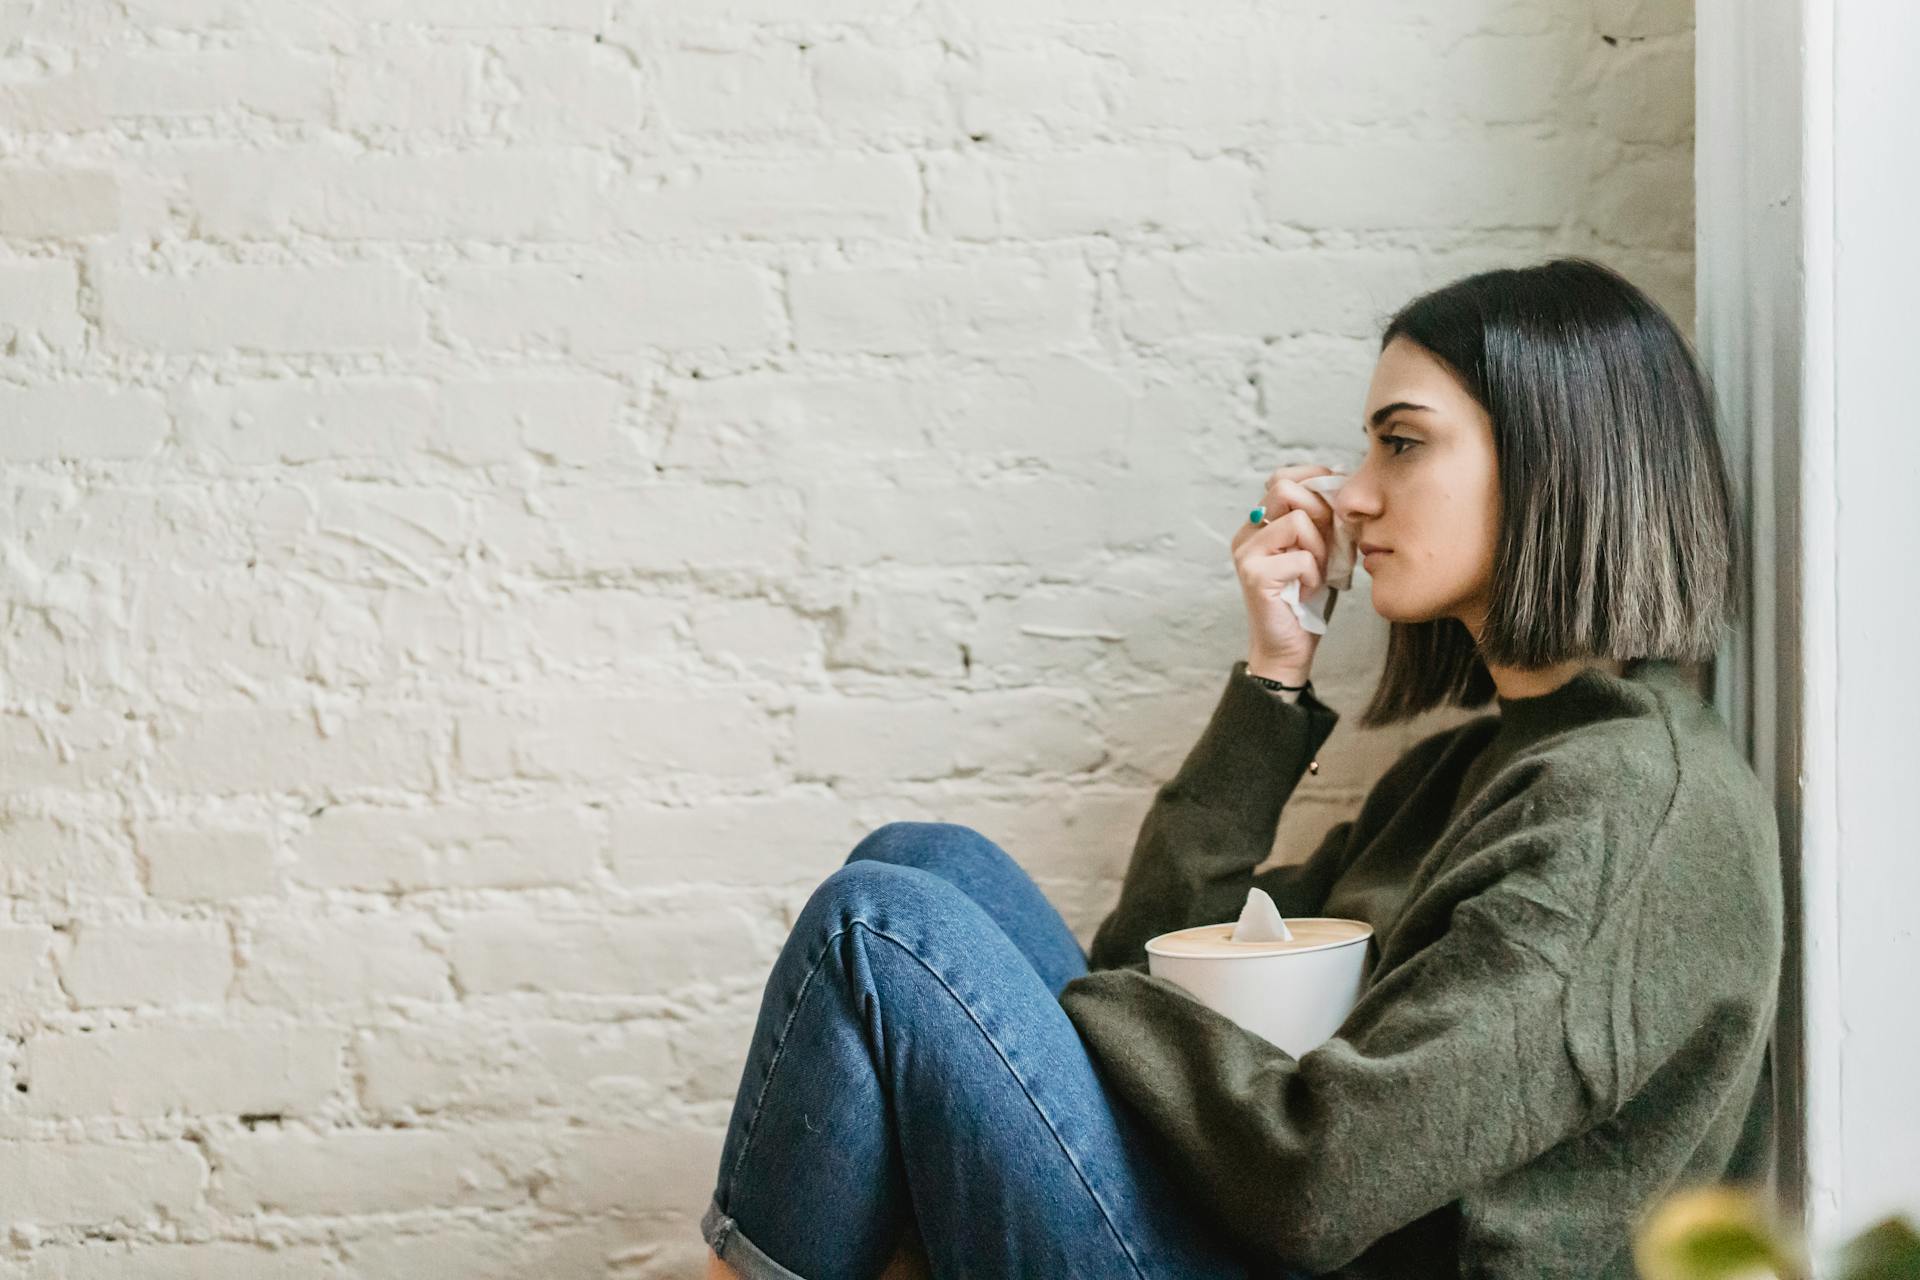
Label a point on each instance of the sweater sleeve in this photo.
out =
(1453, 1068)
(1213, 822)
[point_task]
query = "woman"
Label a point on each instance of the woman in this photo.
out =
(1576, 904)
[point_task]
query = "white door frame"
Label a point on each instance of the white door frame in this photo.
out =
(1807, 169)
(1750, 328)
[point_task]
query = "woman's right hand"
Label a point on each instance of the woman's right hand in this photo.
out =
(1291, 546)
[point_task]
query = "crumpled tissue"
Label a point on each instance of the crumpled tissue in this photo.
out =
(1314, 611)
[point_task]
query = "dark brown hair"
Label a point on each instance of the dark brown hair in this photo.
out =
(1617, 535)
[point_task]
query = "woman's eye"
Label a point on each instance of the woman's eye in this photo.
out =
(1396, 442)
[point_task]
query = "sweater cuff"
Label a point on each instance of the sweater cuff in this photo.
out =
(1254, 740)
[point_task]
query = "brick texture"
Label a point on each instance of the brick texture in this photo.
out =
(501, 494)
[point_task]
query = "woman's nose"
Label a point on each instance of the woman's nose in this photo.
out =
(1356, 498)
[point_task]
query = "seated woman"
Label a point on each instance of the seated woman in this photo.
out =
(1575, 899)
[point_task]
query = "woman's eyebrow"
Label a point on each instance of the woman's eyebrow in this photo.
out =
(1386, 411)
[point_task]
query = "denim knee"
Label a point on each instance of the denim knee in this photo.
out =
(914, 844)
(882, 894)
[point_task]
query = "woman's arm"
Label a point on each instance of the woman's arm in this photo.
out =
(1454, 1067)
(1213, 822)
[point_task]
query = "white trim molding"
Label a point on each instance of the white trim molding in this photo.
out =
(1807, 174)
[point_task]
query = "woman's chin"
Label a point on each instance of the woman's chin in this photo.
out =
(1394, 610)
(1384, 605)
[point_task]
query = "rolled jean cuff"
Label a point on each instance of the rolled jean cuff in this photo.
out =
(725, 1238)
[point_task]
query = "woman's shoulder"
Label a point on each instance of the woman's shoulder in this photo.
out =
(1625, 758)
(1661, 787)
(1652, 743)
(1604, 777)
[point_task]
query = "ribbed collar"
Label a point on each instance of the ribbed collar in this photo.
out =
(1593, 694)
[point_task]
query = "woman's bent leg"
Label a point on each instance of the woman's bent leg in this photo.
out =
(988, 874)
(908, 1057)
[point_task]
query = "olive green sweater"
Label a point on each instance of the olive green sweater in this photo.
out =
(1577, 915)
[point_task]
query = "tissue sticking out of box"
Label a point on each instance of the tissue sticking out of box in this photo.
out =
(1261, 921)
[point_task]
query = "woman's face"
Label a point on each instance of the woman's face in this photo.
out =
(1427, 490)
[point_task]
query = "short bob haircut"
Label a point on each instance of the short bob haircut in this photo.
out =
(1617, 535)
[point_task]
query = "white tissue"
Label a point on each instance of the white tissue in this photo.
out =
(1313, 610)
(1261, 921)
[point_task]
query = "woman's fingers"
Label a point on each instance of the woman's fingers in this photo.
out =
(1298, 471)
(1273, 572)
(1293, 494)
(1285, 493)
(1307, 532)
(1290, 529)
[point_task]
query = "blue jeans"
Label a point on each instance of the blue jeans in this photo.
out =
(912, 1069)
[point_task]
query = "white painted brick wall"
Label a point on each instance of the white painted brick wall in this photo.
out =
(487, 478)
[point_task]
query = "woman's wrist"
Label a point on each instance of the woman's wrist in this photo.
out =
(1280, 691)
(1267, 669)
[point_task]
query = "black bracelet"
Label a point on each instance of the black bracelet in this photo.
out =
(1275, 684)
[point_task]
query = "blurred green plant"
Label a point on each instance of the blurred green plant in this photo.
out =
(1732, 1233)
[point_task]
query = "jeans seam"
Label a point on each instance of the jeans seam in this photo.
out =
(1105, 1215)
(779, 1053)
(799, 998)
